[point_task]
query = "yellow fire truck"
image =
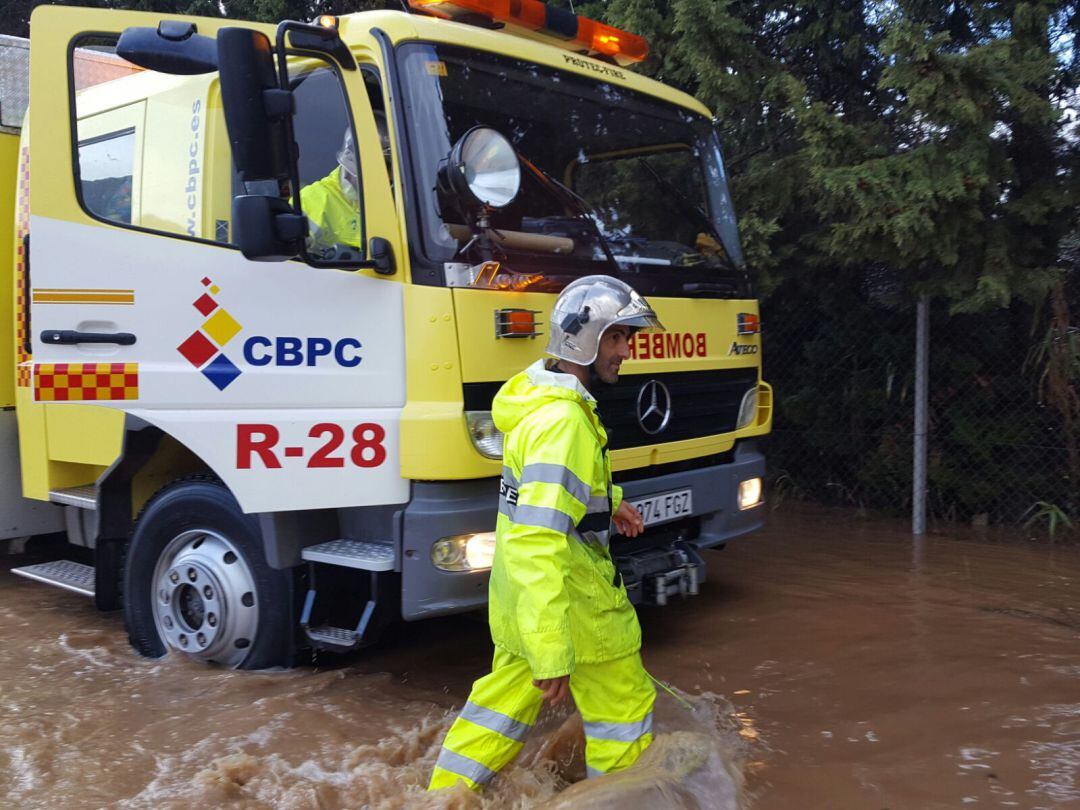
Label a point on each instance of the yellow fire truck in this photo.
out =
(264, 282)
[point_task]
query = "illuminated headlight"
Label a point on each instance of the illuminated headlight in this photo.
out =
(485, 437)
(749, 493)
(464, 552)
(748, 409)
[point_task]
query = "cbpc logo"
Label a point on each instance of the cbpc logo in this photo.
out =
(203, 347)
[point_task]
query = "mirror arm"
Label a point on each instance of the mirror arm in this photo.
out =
(382, 256)
(317, 39)
(273, 98)
(276, 102)
(290, 227)
(279, 104)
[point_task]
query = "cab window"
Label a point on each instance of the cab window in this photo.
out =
(330, 192)
(106, 169)
(151, 150)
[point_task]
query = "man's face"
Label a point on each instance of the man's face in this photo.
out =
(614, 348)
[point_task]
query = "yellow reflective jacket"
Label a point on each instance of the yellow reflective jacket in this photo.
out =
(553, 597)
(332, 218)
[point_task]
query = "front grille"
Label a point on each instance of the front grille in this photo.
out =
(703, 403)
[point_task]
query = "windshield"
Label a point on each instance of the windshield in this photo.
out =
(646, 181)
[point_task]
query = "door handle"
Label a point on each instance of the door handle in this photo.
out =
(68, 337)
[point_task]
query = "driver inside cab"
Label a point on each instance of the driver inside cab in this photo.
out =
(332, 204)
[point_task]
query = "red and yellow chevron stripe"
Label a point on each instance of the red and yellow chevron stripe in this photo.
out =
(67, 382)
(22, 225)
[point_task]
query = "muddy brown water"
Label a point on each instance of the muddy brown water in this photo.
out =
(830, 663)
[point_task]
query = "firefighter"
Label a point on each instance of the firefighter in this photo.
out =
(332, 204)
(559, 614)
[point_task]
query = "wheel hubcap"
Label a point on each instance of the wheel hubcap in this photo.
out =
(204, 598)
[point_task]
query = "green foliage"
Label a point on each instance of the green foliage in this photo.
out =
(1052, 514)
(880, 151)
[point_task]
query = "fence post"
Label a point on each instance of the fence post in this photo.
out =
(922, 394)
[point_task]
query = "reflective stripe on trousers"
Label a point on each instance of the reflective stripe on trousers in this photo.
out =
(461, 765)
(620, 732)
(615, 699)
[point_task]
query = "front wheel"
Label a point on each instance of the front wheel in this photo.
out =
(196, 581)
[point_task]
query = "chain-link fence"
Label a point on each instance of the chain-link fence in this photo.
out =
(1004, 403)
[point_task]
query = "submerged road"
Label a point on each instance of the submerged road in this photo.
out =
(832, 664)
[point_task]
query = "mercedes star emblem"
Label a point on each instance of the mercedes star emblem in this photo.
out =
(653, 407)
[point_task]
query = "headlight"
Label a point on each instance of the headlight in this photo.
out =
(748, 409)
(464, 552)
(482, 168)
(486, 438)
(749, 493)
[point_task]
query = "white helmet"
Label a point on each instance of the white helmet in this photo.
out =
(346, 156)
(584, 311)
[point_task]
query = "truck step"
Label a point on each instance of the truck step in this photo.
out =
(361, 554)
(66, 574)
(84, 497)
(333, 639)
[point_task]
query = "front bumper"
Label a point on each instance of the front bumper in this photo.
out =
(443, 509)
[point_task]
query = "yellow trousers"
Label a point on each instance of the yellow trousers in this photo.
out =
(615, 699)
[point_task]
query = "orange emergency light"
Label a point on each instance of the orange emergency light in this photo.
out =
(516, 323)
(748, 324)
(568, 30)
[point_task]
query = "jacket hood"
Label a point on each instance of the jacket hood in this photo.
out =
(530, 389)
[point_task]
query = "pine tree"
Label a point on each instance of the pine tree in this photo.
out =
(974, 191)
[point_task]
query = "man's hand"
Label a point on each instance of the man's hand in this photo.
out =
(555, 690)
(628, 520)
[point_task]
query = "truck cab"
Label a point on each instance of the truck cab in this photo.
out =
(266, 282)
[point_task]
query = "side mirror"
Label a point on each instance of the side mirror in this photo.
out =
(257, 116)
(256, 109)
(267, 228)
(172, 47)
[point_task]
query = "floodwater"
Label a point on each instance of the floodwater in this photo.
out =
(828, 664)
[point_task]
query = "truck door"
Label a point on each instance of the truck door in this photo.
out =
(285, 379)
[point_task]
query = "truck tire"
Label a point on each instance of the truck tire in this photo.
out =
(196, 581)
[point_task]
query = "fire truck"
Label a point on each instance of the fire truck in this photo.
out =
(264, 281)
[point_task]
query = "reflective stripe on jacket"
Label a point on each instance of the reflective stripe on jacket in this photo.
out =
(553, 599)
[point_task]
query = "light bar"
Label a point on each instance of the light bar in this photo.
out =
(572, 32)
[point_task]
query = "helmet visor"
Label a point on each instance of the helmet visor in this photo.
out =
(346, 156)
(638, 314)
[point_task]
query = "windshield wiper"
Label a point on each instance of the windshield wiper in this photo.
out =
(578, 204)
(691, 209)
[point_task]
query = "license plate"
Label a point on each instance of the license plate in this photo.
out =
(665, 506)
